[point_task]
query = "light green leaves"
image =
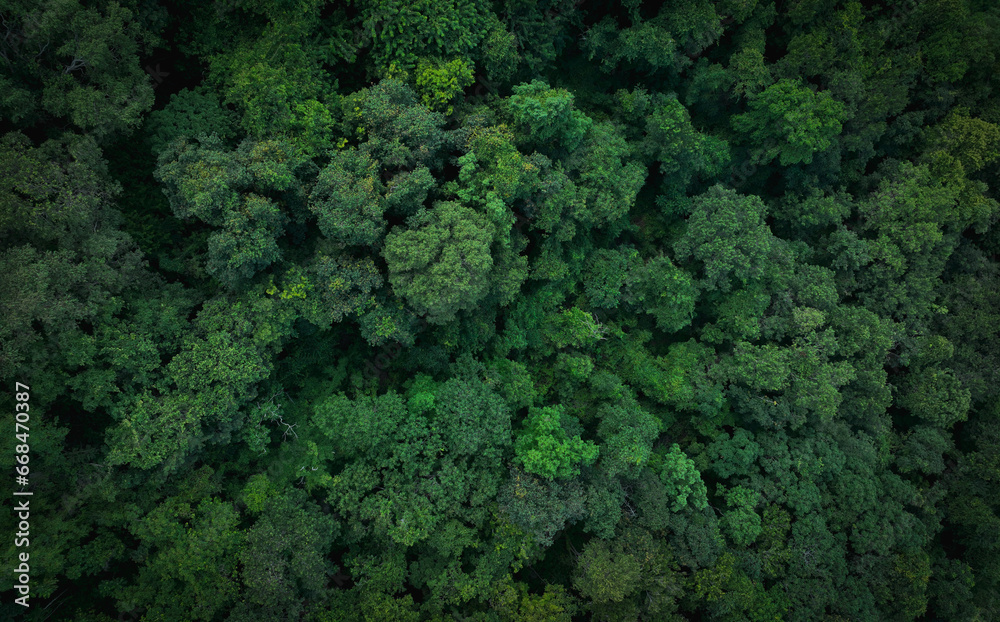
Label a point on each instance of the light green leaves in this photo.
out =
(348, 199)
(359, 426)
(438, 82)
(547, 118)
(629, 433)
(734, 456)
(403, 31)
(727, 234)
(792, 121)
(741, 523)
(935, 395)
(606, 572)
(239, 192)
(189, 113)
(667, 293)
(683, 151)
(247, 241)
(202, 179)
(395, 128)
(572, 327)
(682, 480)
(544, 447)
(442, 265)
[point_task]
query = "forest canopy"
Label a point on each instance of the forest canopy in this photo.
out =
(501, 311)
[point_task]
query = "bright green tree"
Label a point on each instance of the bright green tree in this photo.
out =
(545, 448)
(792, 121)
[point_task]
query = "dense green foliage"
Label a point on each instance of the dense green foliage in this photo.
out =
(504, 311)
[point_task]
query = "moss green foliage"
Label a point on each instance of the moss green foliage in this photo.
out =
(442, 264)
(503, 311)
(439, 83)
(793, 121)
(191, 114)
(545, 448)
